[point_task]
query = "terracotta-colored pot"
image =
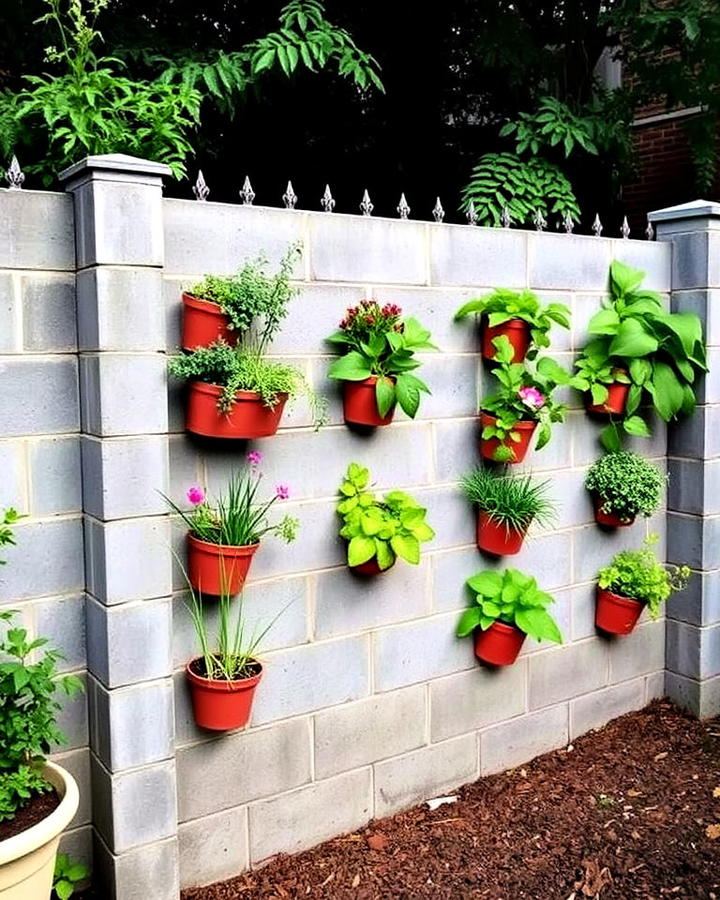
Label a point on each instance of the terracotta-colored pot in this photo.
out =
(248, 418)
(616, 614)
(493, 537)
(212, 567)
(204, 323)
(370, 567)
(220, 705)
(360, 403)
(489, 446)
(517, 331)
(499, 645)
(616, 402)
(611, 519)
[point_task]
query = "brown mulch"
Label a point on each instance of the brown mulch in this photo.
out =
(632, 811)
(39, 808)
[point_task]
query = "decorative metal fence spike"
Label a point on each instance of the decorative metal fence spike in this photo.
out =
(403, 208)
(366, 206)
(505, 218)
(247, 194)
(200, 188)
(471, 215)
(14, 175)
(568, 223)
(289, 197)
(327, 202)
(625, 228)
(438, 211)
(597, 226)
(650, 231)
(539, 221)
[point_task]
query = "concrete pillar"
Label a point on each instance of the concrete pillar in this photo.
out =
(123, 398)
(693, 532)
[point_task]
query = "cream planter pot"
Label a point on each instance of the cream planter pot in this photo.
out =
(27, 860)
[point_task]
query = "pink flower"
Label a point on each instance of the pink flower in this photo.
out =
(531, 397)
(196, 495)
(254, 457)
(282, 492)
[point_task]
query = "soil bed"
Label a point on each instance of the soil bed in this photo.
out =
(39, 808)
(629, 811)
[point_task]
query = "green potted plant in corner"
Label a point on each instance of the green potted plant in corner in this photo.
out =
(379, 530)
(377, 363)
(634, 580)
(506, 608)
(224, 535)
(624, 485)
(507, 504)
(519, 316)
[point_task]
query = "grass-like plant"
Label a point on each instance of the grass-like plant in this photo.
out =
(627, 484)
(512, 501)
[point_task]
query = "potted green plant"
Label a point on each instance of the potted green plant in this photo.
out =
(519, 316)
(223, 536)
(379, 530)
(640, 358)
(522, 402)
(507, 504)
(69, 875)
(376, 366)
(624, 485)
(635, 579)
(506, 608)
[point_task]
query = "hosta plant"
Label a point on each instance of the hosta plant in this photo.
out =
(380, 528)
(511, 501)
(626, 484)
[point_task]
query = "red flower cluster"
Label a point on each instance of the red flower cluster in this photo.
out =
(369, 315)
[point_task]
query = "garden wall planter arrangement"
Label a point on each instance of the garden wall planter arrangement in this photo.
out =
(221, 704)
(204, 323)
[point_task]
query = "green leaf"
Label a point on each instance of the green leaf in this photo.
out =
(384, 395)
(408, 395)
(539, 624)
(632, 340)
(488, 584)
(352, 366)
(668, 393)
(469, 621)
(640, 370)
(607, 321)
(599, 394)
(384, 554)
(623, 278)
(636, 425)
(406, 547)
(610, 437)
(360, 550)
(64, 889)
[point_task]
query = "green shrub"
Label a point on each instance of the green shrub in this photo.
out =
(512, 501)
(628, 485)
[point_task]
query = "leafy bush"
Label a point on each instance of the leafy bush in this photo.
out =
(627, 484)
(552, 124)
(513, 501)
(383, 529)
(513, 598)
(68, 875)
(378, 341)
(503, 304)
(638, 575)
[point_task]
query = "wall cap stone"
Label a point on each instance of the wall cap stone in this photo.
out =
(118, 163)
(695, 209)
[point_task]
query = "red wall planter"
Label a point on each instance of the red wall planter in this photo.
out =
(489, 446)
(212, 567)
(611, 519)
(499, 645)
(517, 332)
(248, 418)
(204, 323)
(220, 705)
(360, 404)
(370, 567)
(493, 537)
(616, 614)
(616, 402)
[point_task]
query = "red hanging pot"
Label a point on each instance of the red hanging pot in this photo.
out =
(371, 567)
(616, 614)
(499, 645)
(218, 568)
(360, 403)
(248, 418)
(517, 331)
(488, 446)
(609, 519)
(494, 537)
(616, 402)
(204, 323)
(220, 705)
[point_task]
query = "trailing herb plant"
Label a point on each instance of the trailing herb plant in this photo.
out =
(380, 528)
(503, 304)
(378, 341)
(660, 354)
(513, 598)
(639, 575)
(511, 501)
(627, 484)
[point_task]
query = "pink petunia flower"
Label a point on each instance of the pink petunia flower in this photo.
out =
(196, 495)
(282, 492)
(254, 457)
(531, 397)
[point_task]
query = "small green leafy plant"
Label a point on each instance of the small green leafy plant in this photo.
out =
(511, 501)
(638, 575)
(68, 876)
(627, 484)
(7, 538)
(380, 528)
(513, 598)
(378, 341)
(503, 304)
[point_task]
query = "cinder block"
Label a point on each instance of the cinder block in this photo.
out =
(567, 672)
(654, 686)
(47, 560)
(471, 700)
(583, 602)
(62, 621)
(694, 486)
(451, 569)
(293, 822)
(520, 740)
(124, 394)
(452, 381)
(151, 870)
(78, 845)
(55, 476)
(653, 257)
(213, 848)
(425, 773)
(310, 677)
(477, 256)
(699, 603)
(639, 653)
(565, 262)
(314, 313)
(10, 315)
(546, 556)
(449, 513)
(37, 231)
(419, 651)
(73, 719)
(186, 469)
(357, 734)
(705, 305)
(49, 316)
(693, 541)
(121, 309)
(702, 699)
(696, 436)
(13, 491)
(241, 767)
(39, 396)
(594, 548)
(692, 265)
(456, 447)
(583, 309)
(597, 709)
(692, 651)
(707, 388)
(435, 307)
(77, 763)
(567, 491)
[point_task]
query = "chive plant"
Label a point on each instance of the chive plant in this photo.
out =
(512, 501)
